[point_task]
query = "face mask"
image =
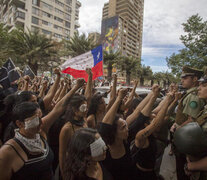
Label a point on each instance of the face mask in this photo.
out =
(83, 108)
(32, 123)
(98, 147)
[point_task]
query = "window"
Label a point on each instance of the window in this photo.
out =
(68, 9)
(59, 3)
(68, 2)
(35, 11)
(58, 36)
(35, 20)
(58, 19)
(36, 2)
(67, 24)
(46, 32)
(59, 11)
(46, 14)
(67, 16)
(47, 6)
(20, 15)
(67, 31)
(58, 27)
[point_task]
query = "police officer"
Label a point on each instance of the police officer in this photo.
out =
(188, 109)
(191, 139)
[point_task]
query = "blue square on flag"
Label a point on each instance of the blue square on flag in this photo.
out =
(97, 54)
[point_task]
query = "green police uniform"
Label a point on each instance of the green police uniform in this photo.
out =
(190, 104)
(191, 139)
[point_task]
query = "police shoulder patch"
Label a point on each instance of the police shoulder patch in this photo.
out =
(193, 104)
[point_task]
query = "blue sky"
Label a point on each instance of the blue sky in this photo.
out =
(161, 29)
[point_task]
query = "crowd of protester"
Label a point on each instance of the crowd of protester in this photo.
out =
(65, 129)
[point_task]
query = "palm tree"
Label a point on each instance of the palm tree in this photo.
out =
(144, 72)
(129, 65)
(4, 45)
(78, 44)
(33, 48)
(110, 59)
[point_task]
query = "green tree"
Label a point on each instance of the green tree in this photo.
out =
(144, 73)
(129, 65)
(195, 41)
(110, 59)
(4, 44)
(78, 44)
(33, 48)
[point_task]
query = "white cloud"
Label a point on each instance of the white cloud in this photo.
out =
(160, 69)
(91, 15)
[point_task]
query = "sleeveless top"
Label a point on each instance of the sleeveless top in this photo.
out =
(37, 167)
(145, 157)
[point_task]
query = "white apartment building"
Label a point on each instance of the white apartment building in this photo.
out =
(56, 18)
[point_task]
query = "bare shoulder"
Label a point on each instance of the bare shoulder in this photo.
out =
(66, 129)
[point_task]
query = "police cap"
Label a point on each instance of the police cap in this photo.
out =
(188, 71)
(204, 78)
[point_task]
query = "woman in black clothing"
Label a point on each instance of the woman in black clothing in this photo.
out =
(84, 152)
(144, 149)
(27, 156)
(118, 136)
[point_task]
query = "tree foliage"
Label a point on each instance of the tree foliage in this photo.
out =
(110, 59)
(78, 44)
(33, 48)
(195, 41)
(144, 73)
(129, 65)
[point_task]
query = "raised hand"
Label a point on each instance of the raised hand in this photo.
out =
(156, 90)
(80, 83)
(56, 71)
(122, 93)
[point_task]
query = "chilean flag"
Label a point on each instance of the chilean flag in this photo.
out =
(77, 65)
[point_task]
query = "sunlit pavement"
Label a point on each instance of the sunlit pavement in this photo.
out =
(168, 165)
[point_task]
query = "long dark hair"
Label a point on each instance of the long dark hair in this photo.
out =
(78, 154)
(95, 101)
(73, 103)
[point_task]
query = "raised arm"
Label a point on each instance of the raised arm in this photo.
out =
(26, 83)
(59, 107)
(113, 93)
(59, 90)
(138, 109)
(141, 137)
(43, 89)
(88, 91)
(110, 115)
(131, 96)
(51, 93)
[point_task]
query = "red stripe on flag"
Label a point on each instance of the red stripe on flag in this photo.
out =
(96, 70)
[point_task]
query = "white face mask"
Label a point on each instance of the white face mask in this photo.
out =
(98, 147)
(83, 108)
(32, 123)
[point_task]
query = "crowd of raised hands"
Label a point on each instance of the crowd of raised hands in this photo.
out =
(89, 138)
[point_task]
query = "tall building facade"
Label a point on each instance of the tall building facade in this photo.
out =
(56, 18)
(122, 26)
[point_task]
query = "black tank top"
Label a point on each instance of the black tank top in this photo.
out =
(145, 157)
(37, 167)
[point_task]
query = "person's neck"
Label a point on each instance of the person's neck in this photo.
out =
(117, 143)
(92, 169)
(27, 135)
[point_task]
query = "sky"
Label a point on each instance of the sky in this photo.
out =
(162, 26)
